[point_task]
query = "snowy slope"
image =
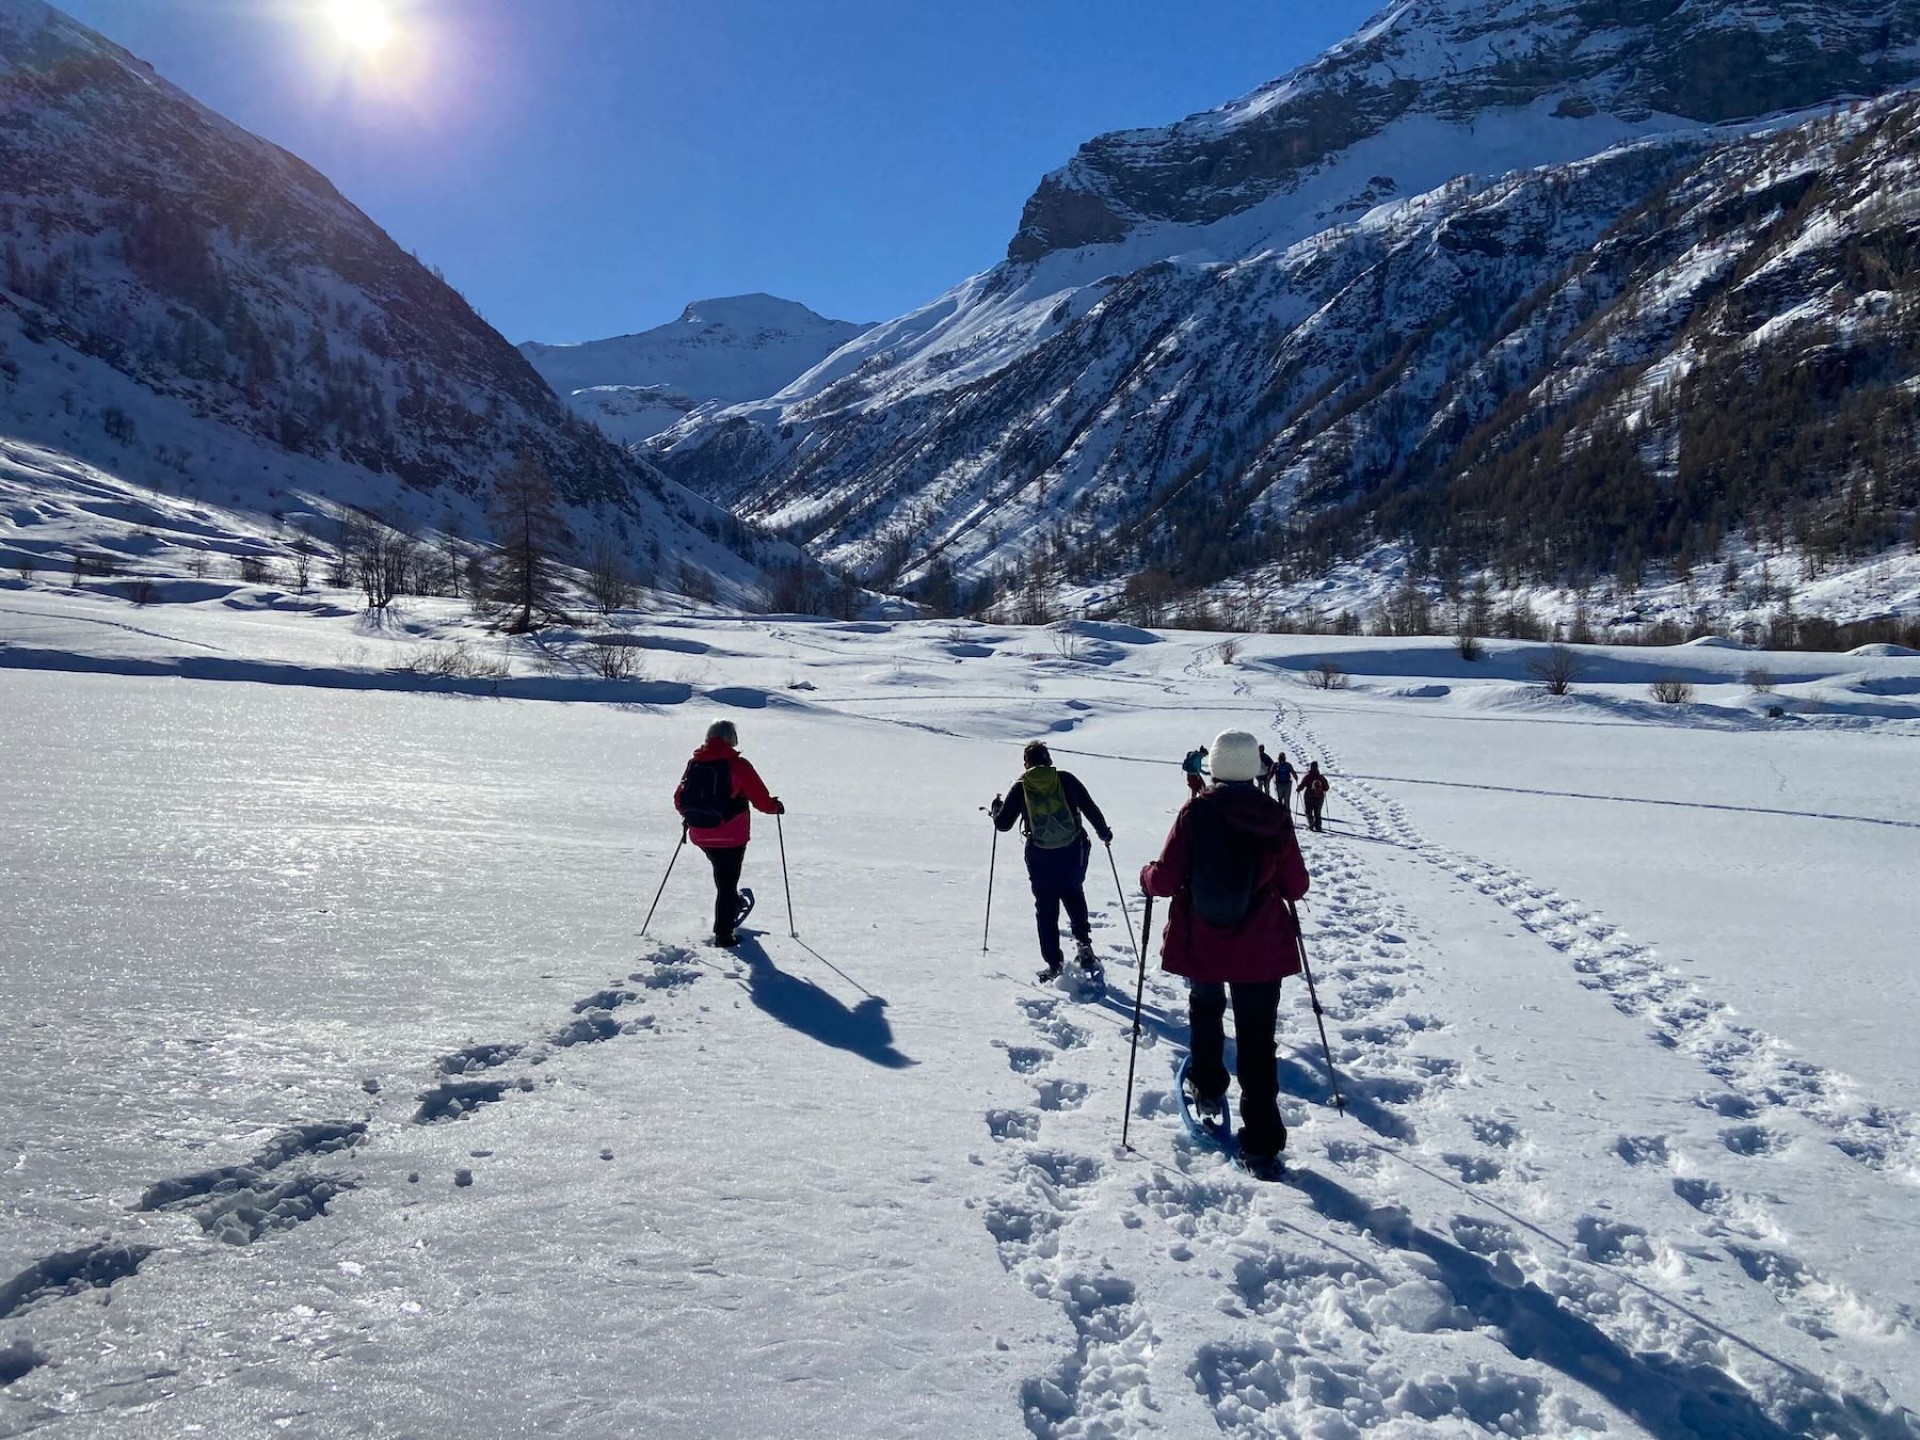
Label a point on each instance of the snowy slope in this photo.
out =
(1627, 1152)
(1207, 333)
(194, 310)
(743, 347)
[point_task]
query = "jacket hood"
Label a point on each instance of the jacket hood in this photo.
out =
(715, 750)
(1247, 810)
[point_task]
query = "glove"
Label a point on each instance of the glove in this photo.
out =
(993, 807)
(1106, 837)
(779, 806)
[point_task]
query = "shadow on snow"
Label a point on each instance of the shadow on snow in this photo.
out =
(803, 1006)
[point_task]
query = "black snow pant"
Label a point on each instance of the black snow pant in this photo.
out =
(726, 886)
(1059, 877)
(1256, 1007)
(1315, 804)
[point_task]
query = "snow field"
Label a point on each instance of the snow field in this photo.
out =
(289, 962)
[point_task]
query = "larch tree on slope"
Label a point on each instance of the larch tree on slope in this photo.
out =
(529, 536)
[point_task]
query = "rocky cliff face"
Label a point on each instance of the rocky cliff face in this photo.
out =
(1639, 61)
(184, 303)
(1216, 374)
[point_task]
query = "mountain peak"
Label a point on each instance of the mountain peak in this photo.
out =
(1561, 67)
(732, 348)
(757, 311)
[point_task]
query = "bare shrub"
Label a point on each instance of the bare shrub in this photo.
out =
(303, 552)
(382, 563)
(1760, 680)
(143, 591)
(1229, 650)
(1557, 669)
(1033, 606)
(609, 578)
(199, 564)
(457, 661)
(794, 589)
(254, 570)
(1067, 642)
(696, 584)
(1327, 675)
(1671, 690)
(614, 658)
(26, 567)
(1468, 645)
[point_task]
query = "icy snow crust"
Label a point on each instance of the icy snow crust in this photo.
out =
(339, 1068)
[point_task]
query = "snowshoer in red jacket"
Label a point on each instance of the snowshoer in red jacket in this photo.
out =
(713, 795)
(1230, 866)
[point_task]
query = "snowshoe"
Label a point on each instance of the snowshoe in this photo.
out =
(1090, 977)
(1048, 975)
(725, 939)
(745, 907)
(1210, 1123)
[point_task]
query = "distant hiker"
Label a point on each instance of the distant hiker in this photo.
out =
(1195, 766)
(1265, 780)
(1230, 865)
(714, 792)
(1283, 777)
(1314, 786)
(1049, 803)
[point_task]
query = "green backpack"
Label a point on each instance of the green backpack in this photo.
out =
(1051, 823)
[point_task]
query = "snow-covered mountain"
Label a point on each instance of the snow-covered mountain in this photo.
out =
(186, 307)
(742, 347)
(1292, 307)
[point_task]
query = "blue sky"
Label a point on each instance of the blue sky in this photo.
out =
(581, 168)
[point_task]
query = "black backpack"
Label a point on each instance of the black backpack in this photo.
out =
(1226, 868)
(706, 794)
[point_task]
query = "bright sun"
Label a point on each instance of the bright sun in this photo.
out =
(363, 24)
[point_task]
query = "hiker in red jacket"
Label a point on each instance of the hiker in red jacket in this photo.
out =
(1230, 865)
(713, 795)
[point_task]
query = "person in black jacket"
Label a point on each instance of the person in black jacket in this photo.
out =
(1049, 804)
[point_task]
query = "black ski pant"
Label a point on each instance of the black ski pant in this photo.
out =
(1256, 1007)
(1059, 877)
(726, 886)
(1315, 804)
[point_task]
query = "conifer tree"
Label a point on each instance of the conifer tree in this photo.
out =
(529, 534)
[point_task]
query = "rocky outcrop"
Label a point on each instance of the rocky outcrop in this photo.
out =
(1453, 60)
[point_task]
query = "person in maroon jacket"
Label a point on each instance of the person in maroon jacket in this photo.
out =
(713, 795)
(1230, 866)
(1314, 785)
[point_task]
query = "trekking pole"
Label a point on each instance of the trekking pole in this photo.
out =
(1125, 913)
(663, 880)
(781, 831)
(992, 863)
(1139, 998)
(1300, 944)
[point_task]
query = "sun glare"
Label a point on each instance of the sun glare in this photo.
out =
(363, 24)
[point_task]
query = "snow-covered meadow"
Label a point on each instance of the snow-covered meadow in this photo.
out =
(347, 1099)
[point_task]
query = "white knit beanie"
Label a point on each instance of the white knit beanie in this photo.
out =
(1236, 756)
